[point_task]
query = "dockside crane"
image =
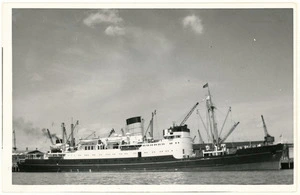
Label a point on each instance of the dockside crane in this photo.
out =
(15, 142)
(268, 138)
(189, 114)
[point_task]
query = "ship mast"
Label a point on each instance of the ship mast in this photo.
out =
(211, 116)
(64, 133)
(151, 125)
(72, 142)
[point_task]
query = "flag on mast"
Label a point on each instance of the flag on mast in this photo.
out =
(206, 85)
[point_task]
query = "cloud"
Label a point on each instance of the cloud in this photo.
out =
(103, 16)
(150, 43)
(114, 31)
(194, 23)
(110, 17)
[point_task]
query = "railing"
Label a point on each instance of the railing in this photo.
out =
(130, 147)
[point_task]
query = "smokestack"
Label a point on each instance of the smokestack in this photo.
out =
(26, 148)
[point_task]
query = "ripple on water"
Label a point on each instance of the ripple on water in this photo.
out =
(156, 178)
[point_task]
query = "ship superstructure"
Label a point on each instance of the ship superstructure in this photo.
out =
(176, 142)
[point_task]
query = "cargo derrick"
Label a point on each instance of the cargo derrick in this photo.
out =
(50, 136)
(111, 132)
(200, 138)
(189, 114)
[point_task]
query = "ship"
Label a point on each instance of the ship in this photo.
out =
(136, 150)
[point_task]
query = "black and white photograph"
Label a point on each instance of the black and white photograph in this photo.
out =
(150, 95)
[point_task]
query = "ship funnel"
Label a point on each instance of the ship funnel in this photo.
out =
(134, 125)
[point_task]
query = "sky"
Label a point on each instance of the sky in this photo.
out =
(103, 66)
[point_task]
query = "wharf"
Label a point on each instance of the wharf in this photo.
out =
(287, 163)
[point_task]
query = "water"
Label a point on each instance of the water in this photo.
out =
(156, 178)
